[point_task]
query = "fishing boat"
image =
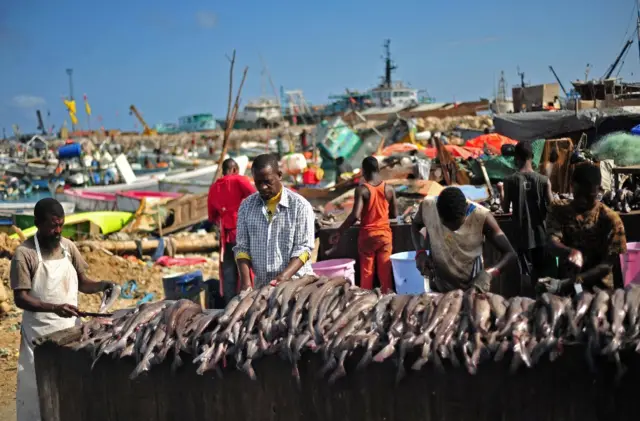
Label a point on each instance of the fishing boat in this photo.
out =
(89, 201)
(130, 201)
(193, 187)
(27, 207)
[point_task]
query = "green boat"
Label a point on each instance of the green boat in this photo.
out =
(79, 225)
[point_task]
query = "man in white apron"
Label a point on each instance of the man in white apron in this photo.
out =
(47, 271)
(451, 252)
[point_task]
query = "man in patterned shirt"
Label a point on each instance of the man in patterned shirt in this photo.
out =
(587, 234)
(276, 229)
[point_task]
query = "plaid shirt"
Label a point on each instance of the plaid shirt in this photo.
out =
(271, 245)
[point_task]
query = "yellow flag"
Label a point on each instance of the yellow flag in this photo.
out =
(71, 105)
(87, 107)
(72, 116)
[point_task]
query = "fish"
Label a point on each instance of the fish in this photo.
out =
(632, 301)
(617, 314)
(109, 298)
(316, 296)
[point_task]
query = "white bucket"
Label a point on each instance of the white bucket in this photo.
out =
(408, 278)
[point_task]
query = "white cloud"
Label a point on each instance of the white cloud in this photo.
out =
(27, 101)
(206, 20)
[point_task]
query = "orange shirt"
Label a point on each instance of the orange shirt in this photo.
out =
(375, 215)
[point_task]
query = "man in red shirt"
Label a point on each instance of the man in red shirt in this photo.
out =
(225, 196)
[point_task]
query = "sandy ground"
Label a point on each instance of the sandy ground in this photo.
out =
(101, 267)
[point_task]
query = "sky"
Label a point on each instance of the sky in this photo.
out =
(171, 58)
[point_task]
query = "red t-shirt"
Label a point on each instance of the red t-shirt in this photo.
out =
(225, 196)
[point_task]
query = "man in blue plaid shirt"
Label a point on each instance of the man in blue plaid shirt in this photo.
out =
(276, 229)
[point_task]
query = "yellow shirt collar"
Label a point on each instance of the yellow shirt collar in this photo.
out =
(275, 199)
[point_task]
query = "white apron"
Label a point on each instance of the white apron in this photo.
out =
(56, 282)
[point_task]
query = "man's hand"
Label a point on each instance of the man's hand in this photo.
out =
(553, 286)
(65, 310)
(280, 278)
(424, 263)
(335, 238)
(482, 281)
(108, 286)
(575, 257)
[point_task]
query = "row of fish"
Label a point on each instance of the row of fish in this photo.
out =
(335, 319)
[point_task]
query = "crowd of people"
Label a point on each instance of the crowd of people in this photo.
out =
(267, 235)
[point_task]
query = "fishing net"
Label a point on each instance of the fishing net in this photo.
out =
(622, 147)
(499, 167)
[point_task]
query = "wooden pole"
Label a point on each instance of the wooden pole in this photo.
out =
(231, 113)
(190, 244)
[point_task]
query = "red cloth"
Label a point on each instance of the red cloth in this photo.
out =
(225, 196)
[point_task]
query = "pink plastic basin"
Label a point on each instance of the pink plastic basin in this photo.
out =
(630, 264)
(336, 267)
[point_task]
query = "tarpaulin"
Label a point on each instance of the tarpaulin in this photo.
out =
(493, 141)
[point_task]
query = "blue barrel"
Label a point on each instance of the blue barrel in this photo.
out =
(72, 150)
(182, 285)
(636, 130)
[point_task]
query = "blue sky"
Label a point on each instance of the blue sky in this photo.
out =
(169, 58)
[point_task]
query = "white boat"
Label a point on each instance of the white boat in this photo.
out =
(193, 187)
(27, 207)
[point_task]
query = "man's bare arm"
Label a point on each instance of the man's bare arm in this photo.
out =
(496, 236)
(26, 302)
(356, 212)
(89, 286)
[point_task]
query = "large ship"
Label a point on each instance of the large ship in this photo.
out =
(388, 94)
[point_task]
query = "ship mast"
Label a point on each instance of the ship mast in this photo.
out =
(389, 66)
(638, 23)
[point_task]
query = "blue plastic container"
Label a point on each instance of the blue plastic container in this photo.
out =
(182, 285)
(72, 150)
(406, 275)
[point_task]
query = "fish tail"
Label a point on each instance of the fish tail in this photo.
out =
(365, 360)
(177, 363)
(385, 353)
(621, 369)
(337, 374)
(612, 346)
(401, 373)
(329, 365)
(515, 363)
(247, 367)
(142, 367)
(521, 350)
(438, 362)
(455, 361)
(502, 349)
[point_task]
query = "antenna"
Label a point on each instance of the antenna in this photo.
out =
(389, 66)
(502, 88)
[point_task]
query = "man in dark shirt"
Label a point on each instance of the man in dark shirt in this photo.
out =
(530, 195)
(342, 168)
(587, 236)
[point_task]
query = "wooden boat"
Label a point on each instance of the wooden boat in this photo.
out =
(129, 201)
(84, 225)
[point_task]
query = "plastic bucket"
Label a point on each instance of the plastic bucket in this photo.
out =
(182, 285)
(630, 264)
(406, 275)
(336, 267)
(72, 150)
